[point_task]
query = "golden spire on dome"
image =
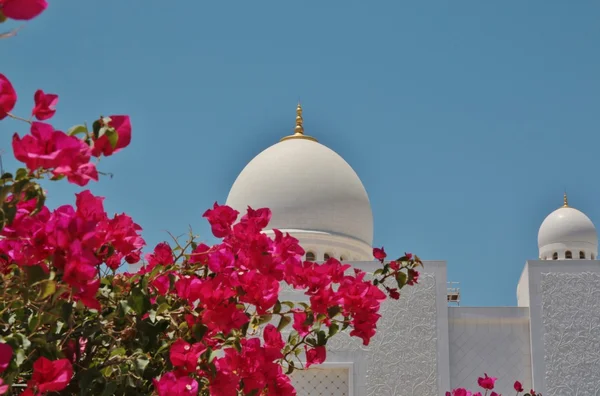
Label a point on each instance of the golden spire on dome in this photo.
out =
(565, 200)
(299, 129)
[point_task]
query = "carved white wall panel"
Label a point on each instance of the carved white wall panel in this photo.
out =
(571, 323)
(401, 359)
(322, 381)
(491, 340)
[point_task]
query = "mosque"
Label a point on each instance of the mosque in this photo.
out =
(426, 343)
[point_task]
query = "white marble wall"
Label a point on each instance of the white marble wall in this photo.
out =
(495, 340)
(565, 326)
(409, 354)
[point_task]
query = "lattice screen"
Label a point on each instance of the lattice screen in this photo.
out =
(321, 382)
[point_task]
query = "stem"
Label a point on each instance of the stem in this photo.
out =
(10, 33)
(18, 118)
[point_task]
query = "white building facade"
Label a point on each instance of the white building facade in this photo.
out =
(551, 340)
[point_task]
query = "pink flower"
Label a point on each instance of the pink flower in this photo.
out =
(51, 375)
(273, 342)
(6, 353)
(486, 382)
(8, 96)
(171, 385)
(185, 355)
(315, 355)
(122, 127)
(413, 277)
(162, 284)
(300, 323)
(45, 105)
(260, 217)
(518, 386)
(49, 149)
(23, 9)
(460, 392)
(379, 254)
(221, 218)
(3, 387)
(162, 255)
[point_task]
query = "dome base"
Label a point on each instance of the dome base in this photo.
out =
(342, 247)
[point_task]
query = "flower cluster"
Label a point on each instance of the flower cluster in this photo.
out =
(194, 320)
(45, 150)
(22, 9)
(220, 285)
(487, 384)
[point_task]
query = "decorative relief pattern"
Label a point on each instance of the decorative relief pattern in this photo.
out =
(571, 322)
(401, 359)
(494, 345)
(321, 382)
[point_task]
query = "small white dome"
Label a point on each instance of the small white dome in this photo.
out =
(567, 231)
(308, 187)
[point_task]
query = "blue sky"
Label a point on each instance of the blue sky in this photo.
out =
(465, 120)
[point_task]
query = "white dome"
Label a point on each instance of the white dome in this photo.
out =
(567, 230)
(308, 187)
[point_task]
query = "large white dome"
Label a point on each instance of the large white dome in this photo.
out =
(567, 231)
(309, 188)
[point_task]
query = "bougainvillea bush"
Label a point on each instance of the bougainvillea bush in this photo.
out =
(195, 319)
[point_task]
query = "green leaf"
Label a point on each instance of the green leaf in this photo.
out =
(199, 330)
(67, 310)
(39, 340)
(277, 307)
(333, 329)
(164, 307)
(321, 338)
(113, 137)
(77, 130)
(96, 128)
(47, 288)
(109, 389)
(152, 315)
(33, 322)
(139, 302)
(118, 352)
(10, 211)
(41, 201)
(141, 363)
(212, 356)
(333, 311)
(264, 319)
(20, 357)
(87, 379)
(6, 176)
(401, 278)
(283, 322)
(290, 369)
(35, 273)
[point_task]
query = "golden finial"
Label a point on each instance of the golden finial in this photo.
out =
(299, 129)
(565, 200)
(299, 121)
